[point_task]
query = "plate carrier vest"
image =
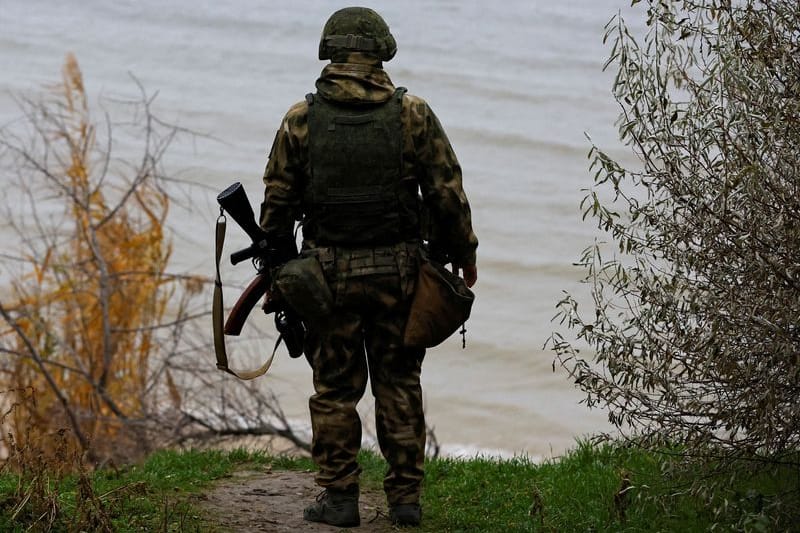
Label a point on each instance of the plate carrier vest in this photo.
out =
(357, 195)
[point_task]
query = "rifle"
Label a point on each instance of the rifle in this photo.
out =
(265, 255)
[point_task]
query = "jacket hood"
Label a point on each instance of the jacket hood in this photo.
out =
(358, 81)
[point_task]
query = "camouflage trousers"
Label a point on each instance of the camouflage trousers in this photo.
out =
(372, 291)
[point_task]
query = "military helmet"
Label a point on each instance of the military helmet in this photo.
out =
(357, 29)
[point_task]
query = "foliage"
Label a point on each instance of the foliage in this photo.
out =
(694, 329)
(94, 319)
(695, 325)
(98, 336)
(33, 495)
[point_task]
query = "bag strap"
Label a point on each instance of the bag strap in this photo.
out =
(217, 314)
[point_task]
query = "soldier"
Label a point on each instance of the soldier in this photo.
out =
(349, 162)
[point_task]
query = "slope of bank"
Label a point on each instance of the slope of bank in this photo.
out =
(593, 488)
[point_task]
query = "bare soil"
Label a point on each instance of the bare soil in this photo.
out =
(267, 500)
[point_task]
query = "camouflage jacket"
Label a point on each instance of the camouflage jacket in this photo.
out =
(427, 155)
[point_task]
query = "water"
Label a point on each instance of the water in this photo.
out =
(515, 84)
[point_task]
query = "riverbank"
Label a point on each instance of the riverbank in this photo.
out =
(592, 488)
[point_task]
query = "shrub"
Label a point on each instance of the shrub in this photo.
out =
(694, 331)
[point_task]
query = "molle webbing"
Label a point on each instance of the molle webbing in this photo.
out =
(356, 195)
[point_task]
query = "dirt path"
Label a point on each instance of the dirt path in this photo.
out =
(266, 500)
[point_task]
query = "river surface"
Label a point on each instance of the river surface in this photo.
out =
(517, 84)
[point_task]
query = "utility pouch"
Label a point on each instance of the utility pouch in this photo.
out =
(441, 303)
(302, 285)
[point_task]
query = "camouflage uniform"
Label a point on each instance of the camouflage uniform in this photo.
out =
(372, 286)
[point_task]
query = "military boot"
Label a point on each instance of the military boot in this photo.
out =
(335, 507)
(405, 514)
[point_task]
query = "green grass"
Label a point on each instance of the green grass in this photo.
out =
(582, 491)
(154, 494)
(147, 497)
(577, 492)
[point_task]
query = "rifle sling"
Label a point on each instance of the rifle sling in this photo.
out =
(217, 313)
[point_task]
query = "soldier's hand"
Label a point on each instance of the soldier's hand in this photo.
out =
(468, 272)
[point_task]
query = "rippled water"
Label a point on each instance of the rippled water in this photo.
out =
(516, 85)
